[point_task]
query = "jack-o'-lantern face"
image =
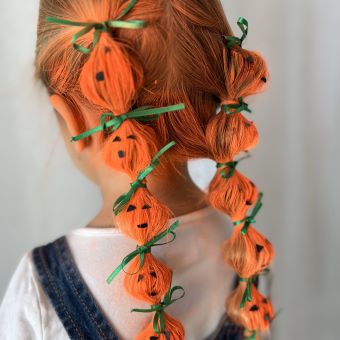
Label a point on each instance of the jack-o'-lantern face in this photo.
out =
(130, 148)
(262, 310)
(152, 276)
(120, 146)
(150, 282)
(143, 217)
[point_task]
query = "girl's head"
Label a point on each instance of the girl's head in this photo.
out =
(181, 56)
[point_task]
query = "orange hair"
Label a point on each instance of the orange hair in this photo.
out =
(255, 315)
(181, 56)
(173, 330)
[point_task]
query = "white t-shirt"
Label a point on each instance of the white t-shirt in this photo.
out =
(195, 257)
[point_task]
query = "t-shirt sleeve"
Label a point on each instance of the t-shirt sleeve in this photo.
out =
(20, 314)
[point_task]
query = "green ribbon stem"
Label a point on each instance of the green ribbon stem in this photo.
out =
(236, 108)
(247, 292)
(231, 165)
(159, 319)
(251, 218)
(142, 250)
(231, 40)
(125, 198)
(99, 27)
(116, 121)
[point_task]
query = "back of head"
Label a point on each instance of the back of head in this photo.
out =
(182, 55)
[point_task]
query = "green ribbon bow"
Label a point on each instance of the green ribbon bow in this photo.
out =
(251, 218)
(159, 319)
(142, 250)
(239, 107)
(99, 27)
(145, 112)
(231, 40)
(231, 165)
(125, 198)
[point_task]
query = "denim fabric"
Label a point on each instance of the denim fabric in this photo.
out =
(69, 295)
(74, 304)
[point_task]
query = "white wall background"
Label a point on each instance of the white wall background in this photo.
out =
(296, 164)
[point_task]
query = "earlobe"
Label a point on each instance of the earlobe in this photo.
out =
(67, 114)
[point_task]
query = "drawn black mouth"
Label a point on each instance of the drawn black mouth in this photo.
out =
(142, 226)
(121, 154)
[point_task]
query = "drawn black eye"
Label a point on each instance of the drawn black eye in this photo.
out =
(100, 76)
(131, 207)
(259, 248)
(131, 137)
(267, 317)
(145, 206)
(250, 60)
(116, 139)
(153, 274)
(140, 277)
(254, 308)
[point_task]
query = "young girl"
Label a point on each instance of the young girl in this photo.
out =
(140, 87)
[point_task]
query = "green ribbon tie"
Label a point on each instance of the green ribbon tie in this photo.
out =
(99, 27)
(115, 122)
(251, 218)
(142, 250)
(138, 183)
(231, 165)
(247, 292)
(239, 107)
(231, 40)
(232, 168)
(159, 319)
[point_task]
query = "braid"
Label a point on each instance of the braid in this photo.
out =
(246, 251)
(112, 78)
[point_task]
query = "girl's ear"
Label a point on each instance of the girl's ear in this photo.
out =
(68, 116)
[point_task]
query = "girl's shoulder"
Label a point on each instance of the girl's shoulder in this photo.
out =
(25, 311)
(20, 311)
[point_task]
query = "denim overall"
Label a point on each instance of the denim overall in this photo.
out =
(74, 304)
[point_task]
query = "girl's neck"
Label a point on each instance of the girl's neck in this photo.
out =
(176, 190)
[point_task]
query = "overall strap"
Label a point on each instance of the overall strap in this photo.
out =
(69, 295)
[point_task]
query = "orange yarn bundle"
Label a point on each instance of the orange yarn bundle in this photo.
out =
(255, 314)
(150, 282)
(173, 331)
(232, 195)
(239, 134)
(143, 217)
(130, 148)
(112, 76)
(248, 254)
